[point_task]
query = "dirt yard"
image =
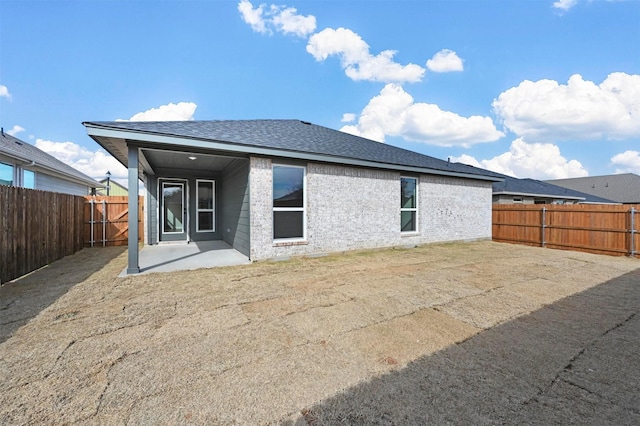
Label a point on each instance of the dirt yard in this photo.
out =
(263, 343)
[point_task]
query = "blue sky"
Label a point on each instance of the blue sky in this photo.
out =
(536, 88)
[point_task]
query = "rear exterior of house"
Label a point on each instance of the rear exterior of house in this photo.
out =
(338, 208)
(277, 188)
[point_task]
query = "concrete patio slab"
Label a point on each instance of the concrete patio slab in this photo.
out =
(172, 257)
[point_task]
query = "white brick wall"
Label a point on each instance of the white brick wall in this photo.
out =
(354, 208)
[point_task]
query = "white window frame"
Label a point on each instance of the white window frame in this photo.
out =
(410, 209)
(302, 209)
(212, 210)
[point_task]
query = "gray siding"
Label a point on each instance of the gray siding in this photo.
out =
(46, 182)
(234, 206)
(151, 201)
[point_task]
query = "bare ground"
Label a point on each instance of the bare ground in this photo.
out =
(307, 341)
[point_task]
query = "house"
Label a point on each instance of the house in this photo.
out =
(531, 191)
(622, 188)
(275, 188)
(114, 188)
(24, 165)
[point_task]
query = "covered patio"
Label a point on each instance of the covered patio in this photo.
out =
(196, 199)
(182, 256)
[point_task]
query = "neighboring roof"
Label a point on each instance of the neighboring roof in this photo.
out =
(27, 153)
(536, 188)
(623, 188)
(284, 138)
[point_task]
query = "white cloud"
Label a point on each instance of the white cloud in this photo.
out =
(579, 110)
(92, 163)
(357, 61)
(252, 16)
(182, 111)
(627, 162)
(281, 18)
(4, 92)
(348, 117)
(394, 113)
(445, 61)
(529, 160)
(564, 5)
(288, 21)
(15, 130)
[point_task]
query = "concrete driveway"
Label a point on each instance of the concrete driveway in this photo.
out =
(480, 333)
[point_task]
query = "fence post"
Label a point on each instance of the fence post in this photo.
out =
(104, 223)
(632, 231)
(544, 227)
(91, 205)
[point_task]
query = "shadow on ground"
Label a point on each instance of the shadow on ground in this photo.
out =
(24, 298)
(572, 362)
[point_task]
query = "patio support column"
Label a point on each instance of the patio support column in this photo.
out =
(133, 266)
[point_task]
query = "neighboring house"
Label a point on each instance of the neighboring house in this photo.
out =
(24, 165)
(114, 188)
(273, 188)
(623, 188)
(530, 191)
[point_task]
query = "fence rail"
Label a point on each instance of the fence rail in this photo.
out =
(602, 229)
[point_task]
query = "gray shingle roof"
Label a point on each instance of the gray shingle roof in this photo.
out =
(18, 149)
(295, 136)
(511, 185)
(623, 188)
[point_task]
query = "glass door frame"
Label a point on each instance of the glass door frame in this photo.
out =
(173, 236)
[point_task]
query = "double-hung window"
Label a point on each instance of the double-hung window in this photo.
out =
(289, 215)
(408, 204)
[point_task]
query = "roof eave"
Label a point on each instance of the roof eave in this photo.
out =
(97, 131)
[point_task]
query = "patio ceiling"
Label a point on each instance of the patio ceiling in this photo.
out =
(156, 159)
(162, 162)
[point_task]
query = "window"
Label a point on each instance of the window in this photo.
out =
(408, 204)
(28, 179)
(289, 218)
(6, 174)
(206, 200)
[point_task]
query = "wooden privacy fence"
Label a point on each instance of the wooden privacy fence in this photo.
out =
(36, 228)
(106, 221)
(39, 227)
(603, 229)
